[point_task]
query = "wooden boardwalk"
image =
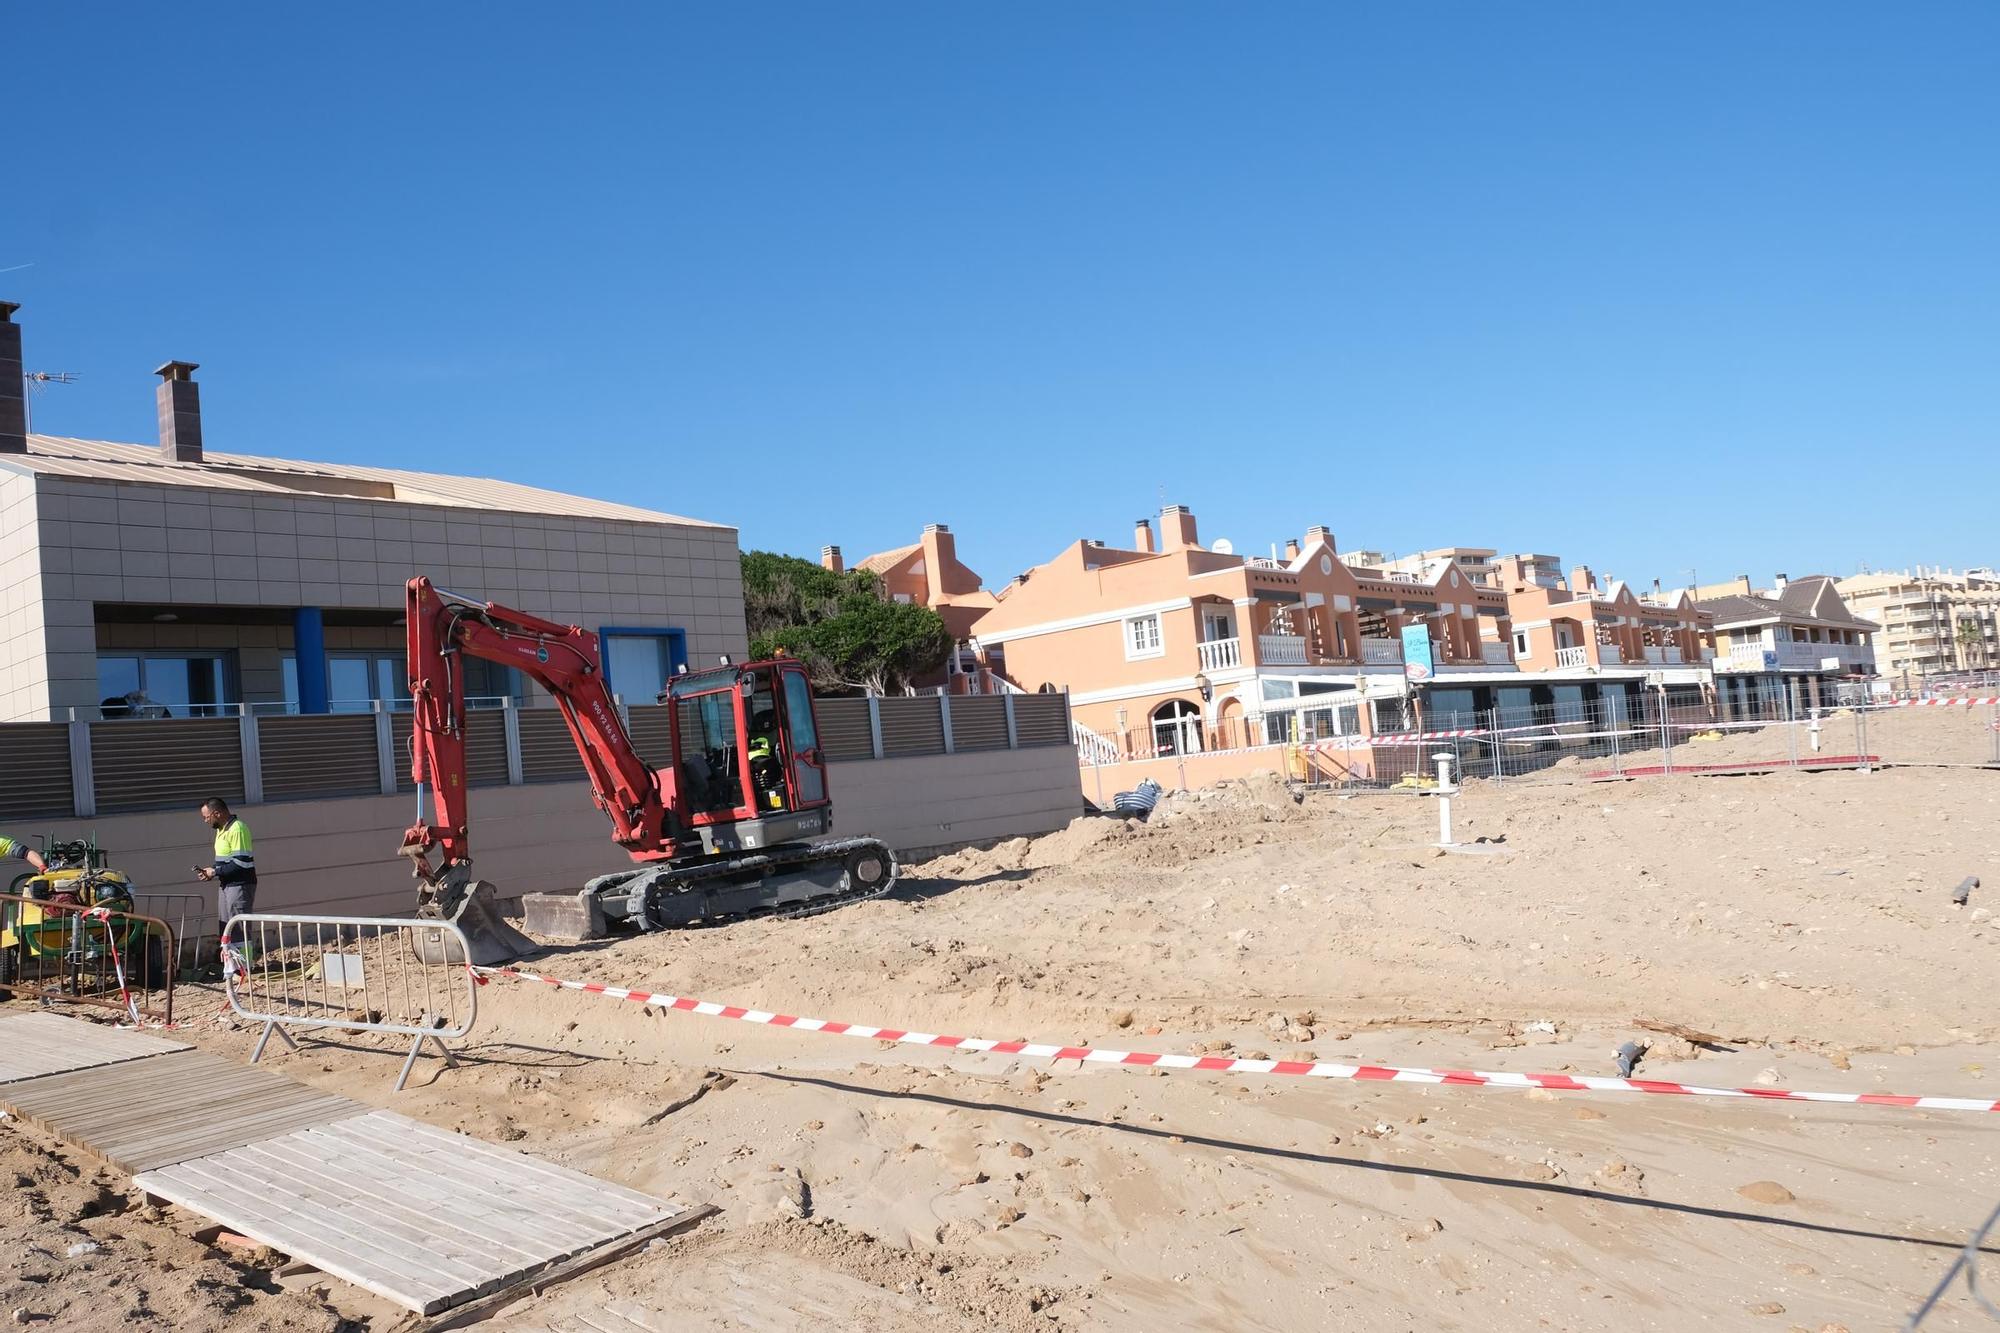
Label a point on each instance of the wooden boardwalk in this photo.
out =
(428, 1219)
(425, 1218)
(167, 1108)
(35, 1044)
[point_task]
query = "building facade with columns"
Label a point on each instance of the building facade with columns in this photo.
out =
(169, 579)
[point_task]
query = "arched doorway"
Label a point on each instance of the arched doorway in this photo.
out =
(1177, 728)
(1229, 731)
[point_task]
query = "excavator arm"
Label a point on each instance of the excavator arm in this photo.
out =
(443, 631)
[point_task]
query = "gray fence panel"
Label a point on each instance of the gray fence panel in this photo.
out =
(331, 755)
(152, 764)
(548, 754)
(844, 732)
(978, 722)
(34, 770)
(1042, 719)
(485, 749)
(912, 726)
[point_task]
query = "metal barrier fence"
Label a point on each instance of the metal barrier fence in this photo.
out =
(55, 950)
(357, 974)
(192, 916)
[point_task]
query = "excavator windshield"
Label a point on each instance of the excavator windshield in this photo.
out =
(745, 743)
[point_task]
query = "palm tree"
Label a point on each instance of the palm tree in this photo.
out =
(1969, 637)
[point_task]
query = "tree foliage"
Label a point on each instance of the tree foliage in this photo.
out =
(848, 633)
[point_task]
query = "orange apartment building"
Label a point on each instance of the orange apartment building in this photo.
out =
(1575, 629)
(1168, 647)
(929, 573)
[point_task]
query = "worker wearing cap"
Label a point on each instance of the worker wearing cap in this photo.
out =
(12, 850)
(235, 868)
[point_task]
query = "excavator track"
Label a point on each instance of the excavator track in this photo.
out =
(709, 892)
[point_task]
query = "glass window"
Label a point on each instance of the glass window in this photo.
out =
(1142, 636)
(805, 740)
(709, 761)
(1451, 709)
(117, 678)
(350, 685)
(141, 685)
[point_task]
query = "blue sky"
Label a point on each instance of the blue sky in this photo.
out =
(1654, 287)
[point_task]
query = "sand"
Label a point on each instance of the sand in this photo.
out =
(1804, 919)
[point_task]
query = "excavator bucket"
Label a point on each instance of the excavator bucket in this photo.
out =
(492, 940)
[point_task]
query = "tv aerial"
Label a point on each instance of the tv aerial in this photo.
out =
(38, 380)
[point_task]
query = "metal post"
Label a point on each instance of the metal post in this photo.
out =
(1444, 794)
(1791, 723)
(1495, 743)
(385, 748)
(875, 724)
(944, 718)
(1013, 732)
(1612, 725)
(253, 757)
(510, 722)
(1812, 730)
(1861, 740)
(82, 781)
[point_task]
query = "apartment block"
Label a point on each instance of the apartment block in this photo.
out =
(1931, 622)
(172, 579)
(1577, 623)
(1787, 647)
(1170, 647)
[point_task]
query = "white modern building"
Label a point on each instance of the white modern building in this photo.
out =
(164, 578)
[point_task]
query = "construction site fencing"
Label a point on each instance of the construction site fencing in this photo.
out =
(67, 951)
(395, 975)
(1947, 731)
(192, 916)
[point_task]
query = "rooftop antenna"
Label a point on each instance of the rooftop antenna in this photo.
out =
(36, 381)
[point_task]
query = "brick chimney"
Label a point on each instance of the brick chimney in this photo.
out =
(829, 558)
(940, 557)
(1177, 528)
(1780, 583)
(180, 412)
(1291, 548)
(1142, 536)
(13, 389)
(1582, 580)
(1320, 532)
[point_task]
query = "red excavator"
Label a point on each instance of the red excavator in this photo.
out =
(732, 826)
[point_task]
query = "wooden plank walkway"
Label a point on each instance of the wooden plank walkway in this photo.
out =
(35, 1044)
(424, 1218)
(167, 1108)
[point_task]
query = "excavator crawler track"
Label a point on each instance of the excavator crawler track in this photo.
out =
(782, 883)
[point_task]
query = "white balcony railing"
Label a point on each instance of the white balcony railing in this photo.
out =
(1655, 656)
(1281, 649)
(1381, 652)
(1495, 654)
(1091, 748)
(1673, 654)
(1567, 658)
(1221, 654)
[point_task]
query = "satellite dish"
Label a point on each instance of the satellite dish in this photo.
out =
(1223, 546)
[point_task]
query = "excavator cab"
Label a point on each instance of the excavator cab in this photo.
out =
(747, 766)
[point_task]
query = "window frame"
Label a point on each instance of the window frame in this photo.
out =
(676, 646)
(1135, 653)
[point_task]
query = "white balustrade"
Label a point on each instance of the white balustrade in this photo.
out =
(1221, 654)
(1281, 649)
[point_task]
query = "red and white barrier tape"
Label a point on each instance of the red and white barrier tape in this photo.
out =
(1983, 701)
(1231, 1064)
